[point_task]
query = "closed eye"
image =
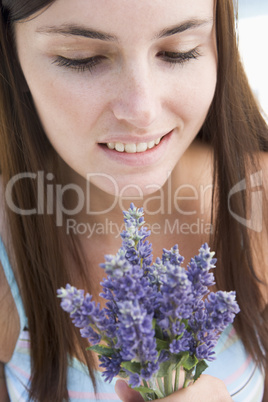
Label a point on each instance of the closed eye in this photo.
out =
(79, 65)
(178, 57)
(89, 63)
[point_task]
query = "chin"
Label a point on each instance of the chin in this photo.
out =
(125, 188)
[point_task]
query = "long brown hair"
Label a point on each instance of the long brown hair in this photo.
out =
(237, 131)
(36, 240)
(235, 128)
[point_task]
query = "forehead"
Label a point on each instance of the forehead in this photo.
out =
(122, 17)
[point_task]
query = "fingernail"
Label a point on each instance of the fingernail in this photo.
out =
(121, 388)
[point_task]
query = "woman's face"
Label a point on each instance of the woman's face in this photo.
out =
(112, 78)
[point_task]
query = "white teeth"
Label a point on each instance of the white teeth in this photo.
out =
(141, 147)
(132, 148)
(151, 144)
(119, 147)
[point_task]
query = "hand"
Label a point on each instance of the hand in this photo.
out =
(205, 389)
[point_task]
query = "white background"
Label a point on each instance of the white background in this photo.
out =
(253, 44)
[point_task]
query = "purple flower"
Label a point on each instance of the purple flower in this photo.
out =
(175, 299)
(134, 380)
(181, 345)
(172, 256)
(85, 314)
(112, 366)
(93, 337)
(149, 370)
(198, 271)
(154, 310)
(221, 308)
(72, 298)
(135, 334)
(205, 351)
(209, 320)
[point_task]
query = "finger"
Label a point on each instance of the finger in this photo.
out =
(205, 389)
(126, 394)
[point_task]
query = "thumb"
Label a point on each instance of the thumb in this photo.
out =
(126, 394)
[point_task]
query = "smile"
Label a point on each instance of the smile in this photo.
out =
(132, 148)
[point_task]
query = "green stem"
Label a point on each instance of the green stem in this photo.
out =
(161, 385)
(144, 395)
(154, 394)
(145, 384)
(168, 382)
(159, 394)
(177, 378)
(153, 384)
(188, 378)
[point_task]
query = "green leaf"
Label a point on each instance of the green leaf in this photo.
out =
(190, 363)
(158, 332)
(180, 358)
(102, 350)
(200, 367)
(164, 368)
(174, 361)
(122, 374)
(161, 345)
(133, 367)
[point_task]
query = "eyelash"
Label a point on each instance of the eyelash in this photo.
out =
(178, 57)
(88, 64)
(79, 65)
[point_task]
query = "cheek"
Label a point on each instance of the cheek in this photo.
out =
(194, 93)
(66, 106)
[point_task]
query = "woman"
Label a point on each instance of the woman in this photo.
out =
(106, 102)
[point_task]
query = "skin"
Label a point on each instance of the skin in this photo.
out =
(206, 388)
(134, 93)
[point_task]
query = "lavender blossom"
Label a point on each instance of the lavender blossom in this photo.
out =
(112, 366)
(209, 320)
(175, 298)
(198, 272)
(158, 317)
(85, 314)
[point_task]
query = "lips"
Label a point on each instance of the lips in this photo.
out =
(132, 148)
(136, 154)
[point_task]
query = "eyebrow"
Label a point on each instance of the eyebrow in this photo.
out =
(184, 26)
(75, 30)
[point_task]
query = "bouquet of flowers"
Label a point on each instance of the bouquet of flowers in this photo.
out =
(159, 320)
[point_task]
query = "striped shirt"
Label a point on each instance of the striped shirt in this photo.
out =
(244, 380)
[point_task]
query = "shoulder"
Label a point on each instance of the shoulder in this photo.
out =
(9, 318)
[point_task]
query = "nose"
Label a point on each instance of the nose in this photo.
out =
(136, 99)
